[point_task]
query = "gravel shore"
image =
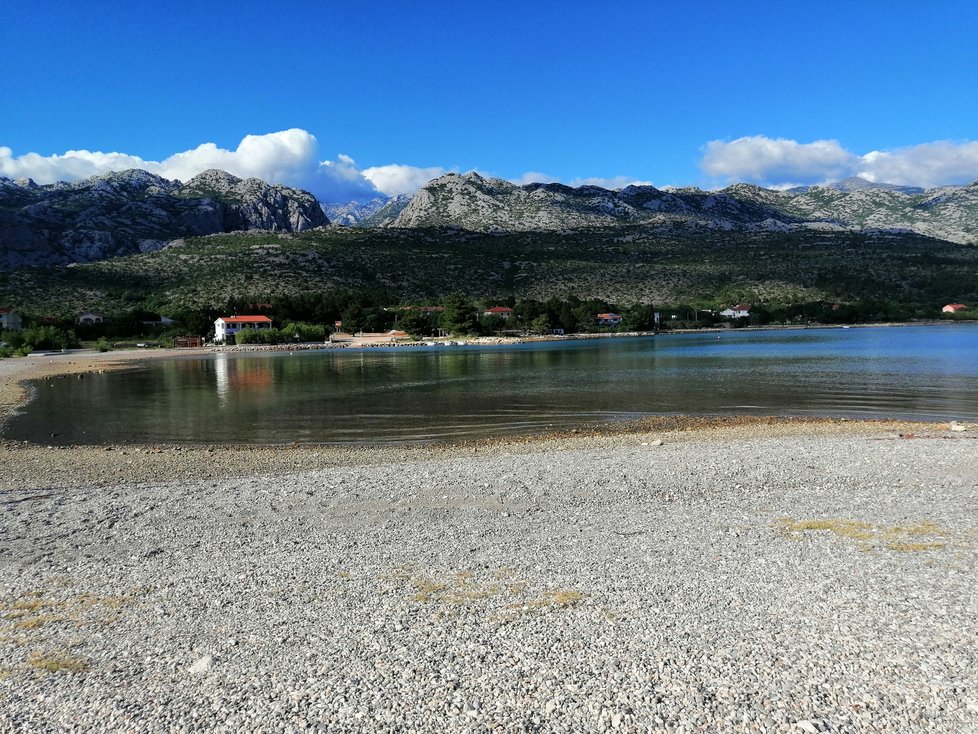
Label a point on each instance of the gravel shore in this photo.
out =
(756, 576)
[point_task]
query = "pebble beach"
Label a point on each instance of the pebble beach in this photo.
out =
(726, 576)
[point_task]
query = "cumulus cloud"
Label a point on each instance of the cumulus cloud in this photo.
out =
(927, 165)
(289, 157)
(767, 160)
(780, 162)
(397, 179)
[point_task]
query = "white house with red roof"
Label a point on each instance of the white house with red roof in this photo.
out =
(954, 308)
(227, 326)
(608, 319)
(503, 312)
(740, 311)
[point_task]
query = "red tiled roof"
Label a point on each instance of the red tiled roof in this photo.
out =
(245, 319)
(608, 316)
(6, 309)
(498, 309)
(955, 306)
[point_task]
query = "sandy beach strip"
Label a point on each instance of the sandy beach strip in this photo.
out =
(696, 575)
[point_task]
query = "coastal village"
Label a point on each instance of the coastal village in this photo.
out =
(427, 325)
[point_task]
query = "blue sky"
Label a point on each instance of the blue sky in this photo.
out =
(669, 93)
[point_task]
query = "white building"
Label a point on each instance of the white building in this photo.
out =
(740, 311)
(10, 320)
(227, 326)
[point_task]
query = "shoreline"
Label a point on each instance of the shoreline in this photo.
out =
(24, 464)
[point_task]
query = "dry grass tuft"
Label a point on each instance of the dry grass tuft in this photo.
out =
(923, 536)
(504, 601)
(56, 662)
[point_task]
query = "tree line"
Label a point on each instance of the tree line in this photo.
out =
(312, 316)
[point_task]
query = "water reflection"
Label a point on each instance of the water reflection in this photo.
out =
(414, 394)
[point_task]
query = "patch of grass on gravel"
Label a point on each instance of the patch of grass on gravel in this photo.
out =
(44, 663)
(504, 597)
(923, 536)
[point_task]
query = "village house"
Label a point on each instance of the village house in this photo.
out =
(227, 326)
(503, 312)
(10, 320)
(740, 311)
(954, 308)
(608, 319)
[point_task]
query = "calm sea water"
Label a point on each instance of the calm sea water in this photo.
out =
(406, 394)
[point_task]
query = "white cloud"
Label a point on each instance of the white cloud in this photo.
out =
(928, 164)
(289, 157)
(397, 179)
(780, 163)
(534, 177)
(615, 182)
(771, 161)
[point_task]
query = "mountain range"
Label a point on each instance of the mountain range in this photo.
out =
(119, 214)
(472, 202)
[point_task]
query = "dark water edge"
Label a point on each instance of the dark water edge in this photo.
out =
(419, 395)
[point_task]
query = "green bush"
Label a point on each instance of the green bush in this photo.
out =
(306, 332)
(6, 352)
(103, 345)
(258, 336)
(42, 337)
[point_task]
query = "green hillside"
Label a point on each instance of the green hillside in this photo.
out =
(621, 264)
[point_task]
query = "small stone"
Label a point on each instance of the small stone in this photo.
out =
(657, 442)
(203, 665)
(957, 427)
(806, 725)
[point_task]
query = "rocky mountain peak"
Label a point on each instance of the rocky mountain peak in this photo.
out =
(131, 211)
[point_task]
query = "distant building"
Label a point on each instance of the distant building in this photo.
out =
(227, 326)
(954, 308)
(503, 312)
(188, 341)
(740, 311)
(608, 319)
(10, 320)
(90, 317)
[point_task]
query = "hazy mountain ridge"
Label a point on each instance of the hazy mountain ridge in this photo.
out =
(373, 213)
(135, 211)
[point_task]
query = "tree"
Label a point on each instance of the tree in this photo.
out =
(541, 324)
(458, 316)
(416, 324)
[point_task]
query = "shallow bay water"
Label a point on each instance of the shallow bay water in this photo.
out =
(408, 394)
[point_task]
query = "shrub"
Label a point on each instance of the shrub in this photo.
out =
(103, 345)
